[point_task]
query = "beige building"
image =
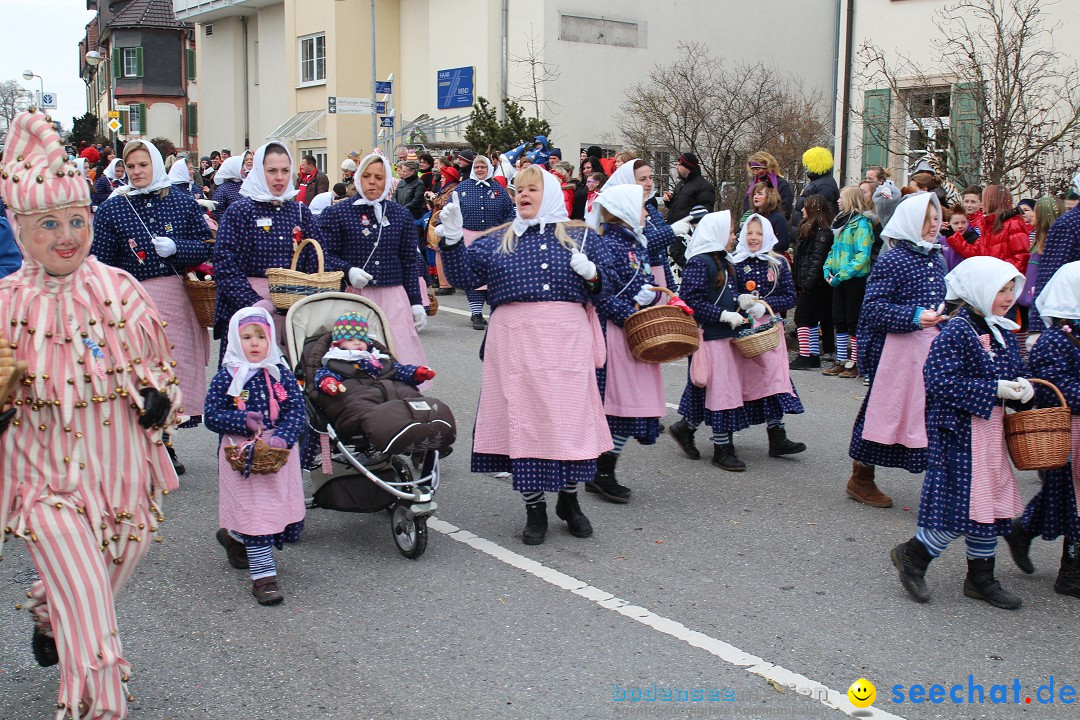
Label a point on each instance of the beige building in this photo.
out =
(269, 66)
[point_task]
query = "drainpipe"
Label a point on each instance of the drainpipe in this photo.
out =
(504, 69)
(845, 121)
(247, 92)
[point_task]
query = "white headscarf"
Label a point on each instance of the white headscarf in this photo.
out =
(255, 186)
(231, 169)
(623, 176)
(235, 361)
(1060, 297)
(110, 172)
(377, 203)
(625, 202)
(160, 179)
(552, 207)
(977, 280)
(486, 182)
(180, 173)
(768, 242)
(907, 219)
(711, 234)
(320, 202)
(80, 163)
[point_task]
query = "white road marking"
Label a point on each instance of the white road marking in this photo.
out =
(455, 311)
(724, 651)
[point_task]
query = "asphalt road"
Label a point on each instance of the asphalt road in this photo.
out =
(708, 580)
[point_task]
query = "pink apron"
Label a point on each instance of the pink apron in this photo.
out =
(896, 408)
(724, 391)
(470, 235)
(634, 389)
(190, 341)
(765, 375)
(543, 403)
(658, 276)
(259, 504)
(994, 494)
(1075, 463)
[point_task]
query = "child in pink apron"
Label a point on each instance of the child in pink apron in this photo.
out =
(905, 296)
(255, 395)
(1055, 510)
(970, 491)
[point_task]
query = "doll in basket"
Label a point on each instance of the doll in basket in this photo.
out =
(255, 396)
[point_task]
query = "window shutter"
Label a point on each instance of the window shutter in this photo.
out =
(138, 62)
(142, 106)
(124, 129)
(117, 63)
(189, 61)
(965, 133)
(877, 108)
(192, 119)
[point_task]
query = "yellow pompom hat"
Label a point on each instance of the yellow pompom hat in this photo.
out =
(817, 160)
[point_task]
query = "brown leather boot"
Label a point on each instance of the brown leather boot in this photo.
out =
(861, 487)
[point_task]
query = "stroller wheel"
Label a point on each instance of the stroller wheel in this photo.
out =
(410, 536)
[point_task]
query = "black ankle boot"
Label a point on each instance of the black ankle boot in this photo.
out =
(806, 362)
(1019, 542)
(44, 648)
(177, 465)
(1068, 579)
(684, 436)
(779, 443)
(478, 322)
(605, 482)
(724, 457)
(911, 560)
(981, 585)
(536, 524)
(568, 509)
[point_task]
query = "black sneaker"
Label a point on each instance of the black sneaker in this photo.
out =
(478, 322)
(444, 291)
(806, 362)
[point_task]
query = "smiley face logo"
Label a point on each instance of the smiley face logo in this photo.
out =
(862, 693)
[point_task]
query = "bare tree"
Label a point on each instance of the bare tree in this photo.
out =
(721, 112)
(1001, 106)
(537, 74)
(12, 101)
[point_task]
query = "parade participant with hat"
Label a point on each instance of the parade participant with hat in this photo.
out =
(83, 462)
(154, 232)
(112, 178)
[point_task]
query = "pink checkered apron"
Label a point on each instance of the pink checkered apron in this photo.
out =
(189, 339)
(994, 494)
(724, 391)
(1075, 463)
(896, 408)
(765, 375)
(544, 403)
(634, 389)
(259, 504)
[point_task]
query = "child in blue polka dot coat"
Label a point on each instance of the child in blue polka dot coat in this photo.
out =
(973, 368)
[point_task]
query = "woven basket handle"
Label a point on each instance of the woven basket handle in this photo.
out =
(1052, 386)
(656, 288)
(300, 248)
(767, 306)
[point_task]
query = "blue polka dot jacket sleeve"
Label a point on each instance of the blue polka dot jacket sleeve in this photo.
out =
(484, 206)
(222, 416)
(772, 282)
(354, 238)
(902, 281)
(630, 272)
(1056, 358)
(1062, 246)
(660, 236)
(697, 292)
(226, 194)
(124, 229)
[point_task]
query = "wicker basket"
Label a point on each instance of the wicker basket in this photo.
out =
(433, 302)
(750, 346)
(662, 333)
(265, 460)
(288, 285)
(1040, 439)
(203, 296)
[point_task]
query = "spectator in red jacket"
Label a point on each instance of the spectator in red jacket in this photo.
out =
(1003, 233)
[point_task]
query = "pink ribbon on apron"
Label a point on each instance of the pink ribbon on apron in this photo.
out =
(1075, 464)
(994, 494)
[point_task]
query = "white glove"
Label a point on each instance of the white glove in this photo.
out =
(419, 317)
(1032, 338)
(165, 247)
(359, 278)
(1009, 390)
(451, 222)
(756, 310)
(645, 296)
(747, 301)
(733, 319)
(1027, 392)
(208, 204)
(681, 227)
(582, 265)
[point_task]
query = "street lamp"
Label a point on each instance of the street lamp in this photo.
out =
(29, 75)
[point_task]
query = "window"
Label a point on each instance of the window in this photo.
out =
(192, 119)
(131, 62)
(127, 62)
(928, 127)
(189, 64)
(313, 59)
(135, 118)
(320, 157)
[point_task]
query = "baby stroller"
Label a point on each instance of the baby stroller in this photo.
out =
(355, 476)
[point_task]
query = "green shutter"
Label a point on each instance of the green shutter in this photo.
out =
(142, 109)
(192, 119)
(138, 62)
(123, 122)
(964, 133)
(189, 61)
(877, 108)
(117, 63)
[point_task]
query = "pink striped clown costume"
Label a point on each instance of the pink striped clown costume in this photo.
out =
(82, 463)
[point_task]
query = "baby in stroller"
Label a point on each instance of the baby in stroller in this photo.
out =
(362, 389)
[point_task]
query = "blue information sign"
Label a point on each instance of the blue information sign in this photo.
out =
(384, 87)
(380, 107)
(386, 121)
(455, 88)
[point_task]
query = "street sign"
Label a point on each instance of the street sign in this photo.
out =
(114, 125)
(48, 101)
(454, 88)
(386, 121)
(380, 107)
(384, 87)
(114, 113)
(348, 105)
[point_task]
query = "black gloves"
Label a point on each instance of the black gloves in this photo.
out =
(5, 419)
(156, 408)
